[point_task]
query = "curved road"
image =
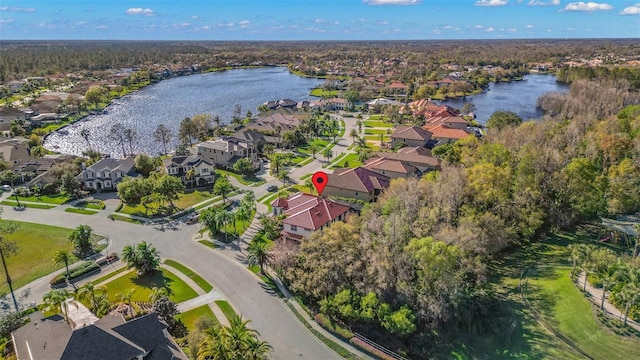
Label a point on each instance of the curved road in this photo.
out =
(289, 338)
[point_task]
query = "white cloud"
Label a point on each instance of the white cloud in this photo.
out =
(244, 23)
(513, 30)
(587, 6)
(318, 21)
(529, 26)
(631, 10)
(490, 29)
(392, 2)
(140, 11)
(478, 26)
(491, 2)
(101, 27)
(206, 27)
(6, 21)
(16, 9)
(447, 27)
(544, 3)
(382, 22)
(182, 24)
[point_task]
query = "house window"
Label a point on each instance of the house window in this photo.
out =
(294, 228)
(356, 193)
(205, 170)
(305, 229)
(90, 185)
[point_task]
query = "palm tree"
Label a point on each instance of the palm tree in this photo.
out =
(236, 341)
(327, 153)
(258, 253)
(224, 218)
(62, 257)
(267, 150)
(222, 187)
(97, 297)
(190, 174)
(80, 237)
(628, 295)
(55, 301)
(309, 185)
(249, 201)
(157, 293)
(576, 255)
(353, 134)
(283, 176)
(126, 299)
(588, 263)
(143, 257)
(314, 148)
(608, 275)
(242, 214)
(209, 218)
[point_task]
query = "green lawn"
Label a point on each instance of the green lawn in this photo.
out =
(351, 159)
(226, 308)
(27, 205)
(125, 219)
(567, 309)
(323, 93)
(204, 285)
(190, 198)
(190, 317)
(80, 211)
(376, 137)
(179, 291)
(377, 124)
(244, 181)
(185, 200)
(38, 244)
(57, 200)
(109, 275)
(240, 226)
(375, 131)
(208, 243)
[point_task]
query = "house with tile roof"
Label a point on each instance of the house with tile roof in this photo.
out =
(410, 136)
(419, 157)
(109, 338)
(193, 170)
(444, 134)
(107, 173)
(356, 183)
(226, 150)
(391, 168)
(307, 213)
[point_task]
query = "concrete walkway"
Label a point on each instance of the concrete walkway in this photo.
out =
(595, 295)
(203, 299)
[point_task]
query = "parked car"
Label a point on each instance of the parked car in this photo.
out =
(6, 187)
(272, 188)
(192, 219)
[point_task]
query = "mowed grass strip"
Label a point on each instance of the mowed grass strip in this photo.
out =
(377, 124)
(27, 205)
(190, 317)
(57, 200)
(204, 285)
(227, 310)
(80, 211)
(567, 309)
(178, 290)
(125, 219)
(37, 246)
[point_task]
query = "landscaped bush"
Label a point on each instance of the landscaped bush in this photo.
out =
(49, 189)
(369, 349)
(76, 272)
(23, 191)
(332, 327)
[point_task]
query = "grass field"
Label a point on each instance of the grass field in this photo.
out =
(323, 93)
(179, 291)
(204, 285)
(377, 124)
(226, 308)
(125, 219)
(80, 211)
(27, 205)
(351, 159)
(56, 200)
(109, 275)
(244, 181)
(375, 131)
(38, 244)
(190, 317)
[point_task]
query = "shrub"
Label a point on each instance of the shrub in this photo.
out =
(76, 272)
(49, 189)
(332, 327)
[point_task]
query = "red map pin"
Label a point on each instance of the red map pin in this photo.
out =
(320, 180)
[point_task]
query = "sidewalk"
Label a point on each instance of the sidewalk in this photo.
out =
(595, 295)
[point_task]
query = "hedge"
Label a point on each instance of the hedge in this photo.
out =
(76, 272)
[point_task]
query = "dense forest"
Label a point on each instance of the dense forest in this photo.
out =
(19, 59)
(417, 263)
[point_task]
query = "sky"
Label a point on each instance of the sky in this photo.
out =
(317, 19)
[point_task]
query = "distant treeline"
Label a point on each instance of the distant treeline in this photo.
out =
(569, 75)
(20, 59)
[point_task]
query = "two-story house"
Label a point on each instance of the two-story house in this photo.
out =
(226, 150)
(192, 170)
(107, 173)
(357, 183)
(307, 213)
(419, 157)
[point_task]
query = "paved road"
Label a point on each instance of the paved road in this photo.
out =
(289, 338)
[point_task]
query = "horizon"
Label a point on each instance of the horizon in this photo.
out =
(315, 20)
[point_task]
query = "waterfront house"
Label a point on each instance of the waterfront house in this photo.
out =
(226, 150)
(192, 170)
(356, 183)
(444, 134)
(307, 213)
(419, 157)
(107, 173)
(391, 168)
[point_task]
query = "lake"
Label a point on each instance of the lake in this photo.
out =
(170, 101)
(517, 96)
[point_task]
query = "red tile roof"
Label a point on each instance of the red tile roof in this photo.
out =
(442, 132)
(397, 85)
(358, 179)
(416, 155)
(389, 165)
(312, 212)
